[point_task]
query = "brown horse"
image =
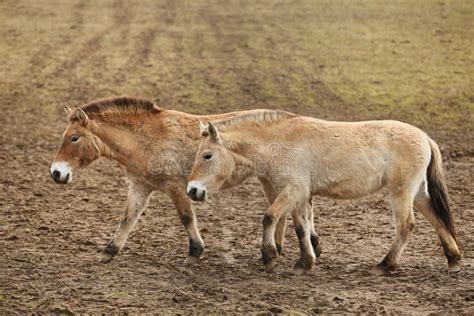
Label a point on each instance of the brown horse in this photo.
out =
(156, 147)
(301, 156)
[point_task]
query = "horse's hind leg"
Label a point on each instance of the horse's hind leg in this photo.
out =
(402, 207)
(137, 200)
(450, 247)
(302, 219)
(314, 236)
(280, 234)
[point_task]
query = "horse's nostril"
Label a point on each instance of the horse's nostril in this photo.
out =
(56, 175)
(193, 192)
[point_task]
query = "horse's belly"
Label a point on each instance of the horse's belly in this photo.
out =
(351, 184)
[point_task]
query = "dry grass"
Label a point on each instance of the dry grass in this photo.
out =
(339, 60)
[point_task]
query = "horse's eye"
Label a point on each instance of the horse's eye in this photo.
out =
(207, 156)
(75, 139)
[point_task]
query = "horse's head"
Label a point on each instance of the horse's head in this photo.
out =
(213, 165)
(79, 147)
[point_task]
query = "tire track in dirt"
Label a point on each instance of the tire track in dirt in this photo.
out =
(124, 16)
(138, 59)
(250, 82)
(91, 53)
(91, 47)
(233, 50)
(44, 55)
(143, 49)
(80, 7)
(169, 12)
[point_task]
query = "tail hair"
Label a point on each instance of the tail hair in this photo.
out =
(438, 191)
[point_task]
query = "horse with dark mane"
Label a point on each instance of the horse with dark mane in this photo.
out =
(299, 157)
(157, 148)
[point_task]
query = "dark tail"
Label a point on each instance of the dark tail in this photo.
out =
(438, 191)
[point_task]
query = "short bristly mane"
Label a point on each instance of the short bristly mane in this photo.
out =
(258, 116)
(118, 106)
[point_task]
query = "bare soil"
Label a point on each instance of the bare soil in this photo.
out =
(345, 60)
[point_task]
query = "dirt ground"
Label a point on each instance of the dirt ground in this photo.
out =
(345, 60)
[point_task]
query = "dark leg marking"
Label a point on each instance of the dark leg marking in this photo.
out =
(451, 258)
(300, 233)
(316, 246)
(111, 249)
(268, 254)
(279, 249)
(305, 262)
(387, 264)
(186, 220)
(267, 221)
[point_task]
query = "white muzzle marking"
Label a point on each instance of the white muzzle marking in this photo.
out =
(61, 172)
(196, 191)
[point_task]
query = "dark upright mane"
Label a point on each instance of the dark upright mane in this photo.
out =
(269, 116)
(118, 106)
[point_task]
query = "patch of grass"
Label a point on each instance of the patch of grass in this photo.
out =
(344, 60)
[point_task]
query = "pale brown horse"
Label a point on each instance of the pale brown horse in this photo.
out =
(301, 156)
(156, 147)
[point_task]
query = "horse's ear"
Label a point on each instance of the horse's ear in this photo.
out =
(68, 111)
(212, 131)
(82, 117)
(203, 129)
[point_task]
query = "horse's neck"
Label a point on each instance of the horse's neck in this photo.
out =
(115, 141)
(248, 143)
(103, 149)
(252, 148)
(244, 169)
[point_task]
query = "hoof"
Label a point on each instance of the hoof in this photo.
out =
(318, 251)
(279, 249)
(109, 252)
(316, 245)
(454, 267)
(297, 270)
(269, 257)
(191, 260)
(105, 257)
(378, 271)
(269, 266)
(196, 248)
(303, 266)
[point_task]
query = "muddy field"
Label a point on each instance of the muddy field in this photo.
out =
(344, 60)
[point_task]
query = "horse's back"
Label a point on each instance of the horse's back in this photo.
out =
(353, 159)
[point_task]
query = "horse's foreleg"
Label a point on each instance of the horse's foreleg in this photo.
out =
(281, 225)
(137, 201)
(188, 219)
(302, 218)
(402, 207)
(284, 202)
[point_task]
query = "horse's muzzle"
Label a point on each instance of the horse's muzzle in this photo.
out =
(58, 178)
(61, 172)
(196, 194)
